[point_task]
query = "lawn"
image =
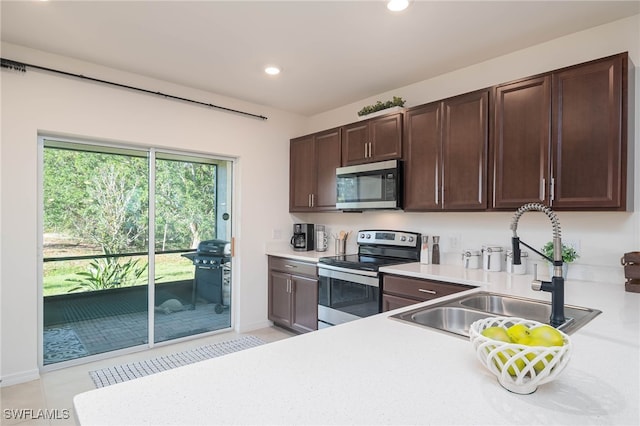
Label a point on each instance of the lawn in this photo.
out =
(169, 267)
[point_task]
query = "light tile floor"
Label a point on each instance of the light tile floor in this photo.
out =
(54, 391)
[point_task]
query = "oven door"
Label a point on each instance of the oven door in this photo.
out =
(344, 295)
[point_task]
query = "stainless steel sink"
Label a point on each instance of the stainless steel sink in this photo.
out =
(447, 318)
(456, 315)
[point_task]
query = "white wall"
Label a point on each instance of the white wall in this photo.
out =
(38, 102)
(602, 237)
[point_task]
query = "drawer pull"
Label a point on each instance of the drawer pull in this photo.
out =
(423, 290)
(290, 266)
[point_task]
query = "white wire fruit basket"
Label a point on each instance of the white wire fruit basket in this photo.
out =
(519, 368)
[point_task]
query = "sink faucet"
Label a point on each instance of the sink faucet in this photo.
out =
(556, 285)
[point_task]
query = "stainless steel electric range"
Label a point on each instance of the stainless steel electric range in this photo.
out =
(350, 284)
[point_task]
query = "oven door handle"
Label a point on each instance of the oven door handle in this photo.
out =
(349, 271)
(372, 281)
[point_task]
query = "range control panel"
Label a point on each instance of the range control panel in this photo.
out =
(391, 238)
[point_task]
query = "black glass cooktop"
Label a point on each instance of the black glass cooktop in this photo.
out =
(362, 262)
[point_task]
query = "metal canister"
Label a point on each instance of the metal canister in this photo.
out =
(471, 259)
(492, 258)
(517, 269)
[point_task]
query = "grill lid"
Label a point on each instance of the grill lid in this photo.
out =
(214, 248)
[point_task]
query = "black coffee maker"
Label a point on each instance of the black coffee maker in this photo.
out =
(302, 239)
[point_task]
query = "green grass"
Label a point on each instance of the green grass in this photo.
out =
(169, 267)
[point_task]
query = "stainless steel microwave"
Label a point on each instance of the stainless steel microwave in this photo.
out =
(369, 186)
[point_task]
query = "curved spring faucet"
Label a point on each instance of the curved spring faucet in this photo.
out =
(556, 286)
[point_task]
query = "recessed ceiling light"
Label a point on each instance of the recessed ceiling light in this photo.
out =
(397, 5)
(271, 70)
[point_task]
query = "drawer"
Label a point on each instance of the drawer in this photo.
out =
(295, 267)
(419, 289)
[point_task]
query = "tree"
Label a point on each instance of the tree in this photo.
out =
(114, 217)
(103, 199)
(185, 203)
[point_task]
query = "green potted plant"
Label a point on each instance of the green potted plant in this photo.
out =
(379, 106)
(569, 254)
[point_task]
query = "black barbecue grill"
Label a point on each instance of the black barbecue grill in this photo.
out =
(211, 260)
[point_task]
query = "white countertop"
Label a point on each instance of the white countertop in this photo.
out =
(307, 256)
(382, 371)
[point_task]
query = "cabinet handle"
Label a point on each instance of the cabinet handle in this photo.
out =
(313, 200)
(424, 290)
(552, 190)
(365, 150)
(290, 266)
(309, 200)
(543, 187)
(370, 150)
(436, 186)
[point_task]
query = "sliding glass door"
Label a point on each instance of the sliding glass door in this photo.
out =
(114, 220)
(192, 208)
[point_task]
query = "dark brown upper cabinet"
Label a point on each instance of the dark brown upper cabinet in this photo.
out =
(376, 139)
(589, 135)
(445, 149)
(522, 117)
(560, 138)
(312, 178)
(423, 158)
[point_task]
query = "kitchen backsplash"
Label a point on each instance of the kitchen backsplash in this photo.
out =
(601, 238)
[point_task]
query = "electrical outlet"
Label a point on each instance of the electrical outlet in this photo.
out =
(454, 242)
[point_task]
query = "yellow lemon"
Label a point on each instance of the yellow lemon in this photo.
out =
(500, 334)
(504, 356)
(545, 335)
(539, 366)
(518, 332)
(496, 333)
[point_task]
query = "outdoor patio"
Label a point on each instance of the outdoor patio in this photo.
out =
(89, 323)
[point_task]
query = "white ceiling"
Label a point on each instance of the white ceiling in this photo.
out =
(332, 53)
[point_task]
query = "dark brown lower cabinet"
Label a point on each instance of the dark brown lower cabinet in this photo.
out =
(293, 294)
(398, 291)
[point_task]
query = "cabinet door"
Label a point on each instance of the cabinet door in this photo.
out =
(589, 138)
(355, 144)
(522, 139)
(464, 139)
(305, 304)
(423, 158)
(390, 303)
(329, 155)
(386, 138)
(279, 298)
(302, 173)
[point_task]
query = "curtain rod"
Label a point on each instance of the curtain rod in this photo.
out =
(22, 67)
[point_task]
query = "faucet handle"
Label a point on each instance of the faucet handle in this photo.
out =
(536, 284)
